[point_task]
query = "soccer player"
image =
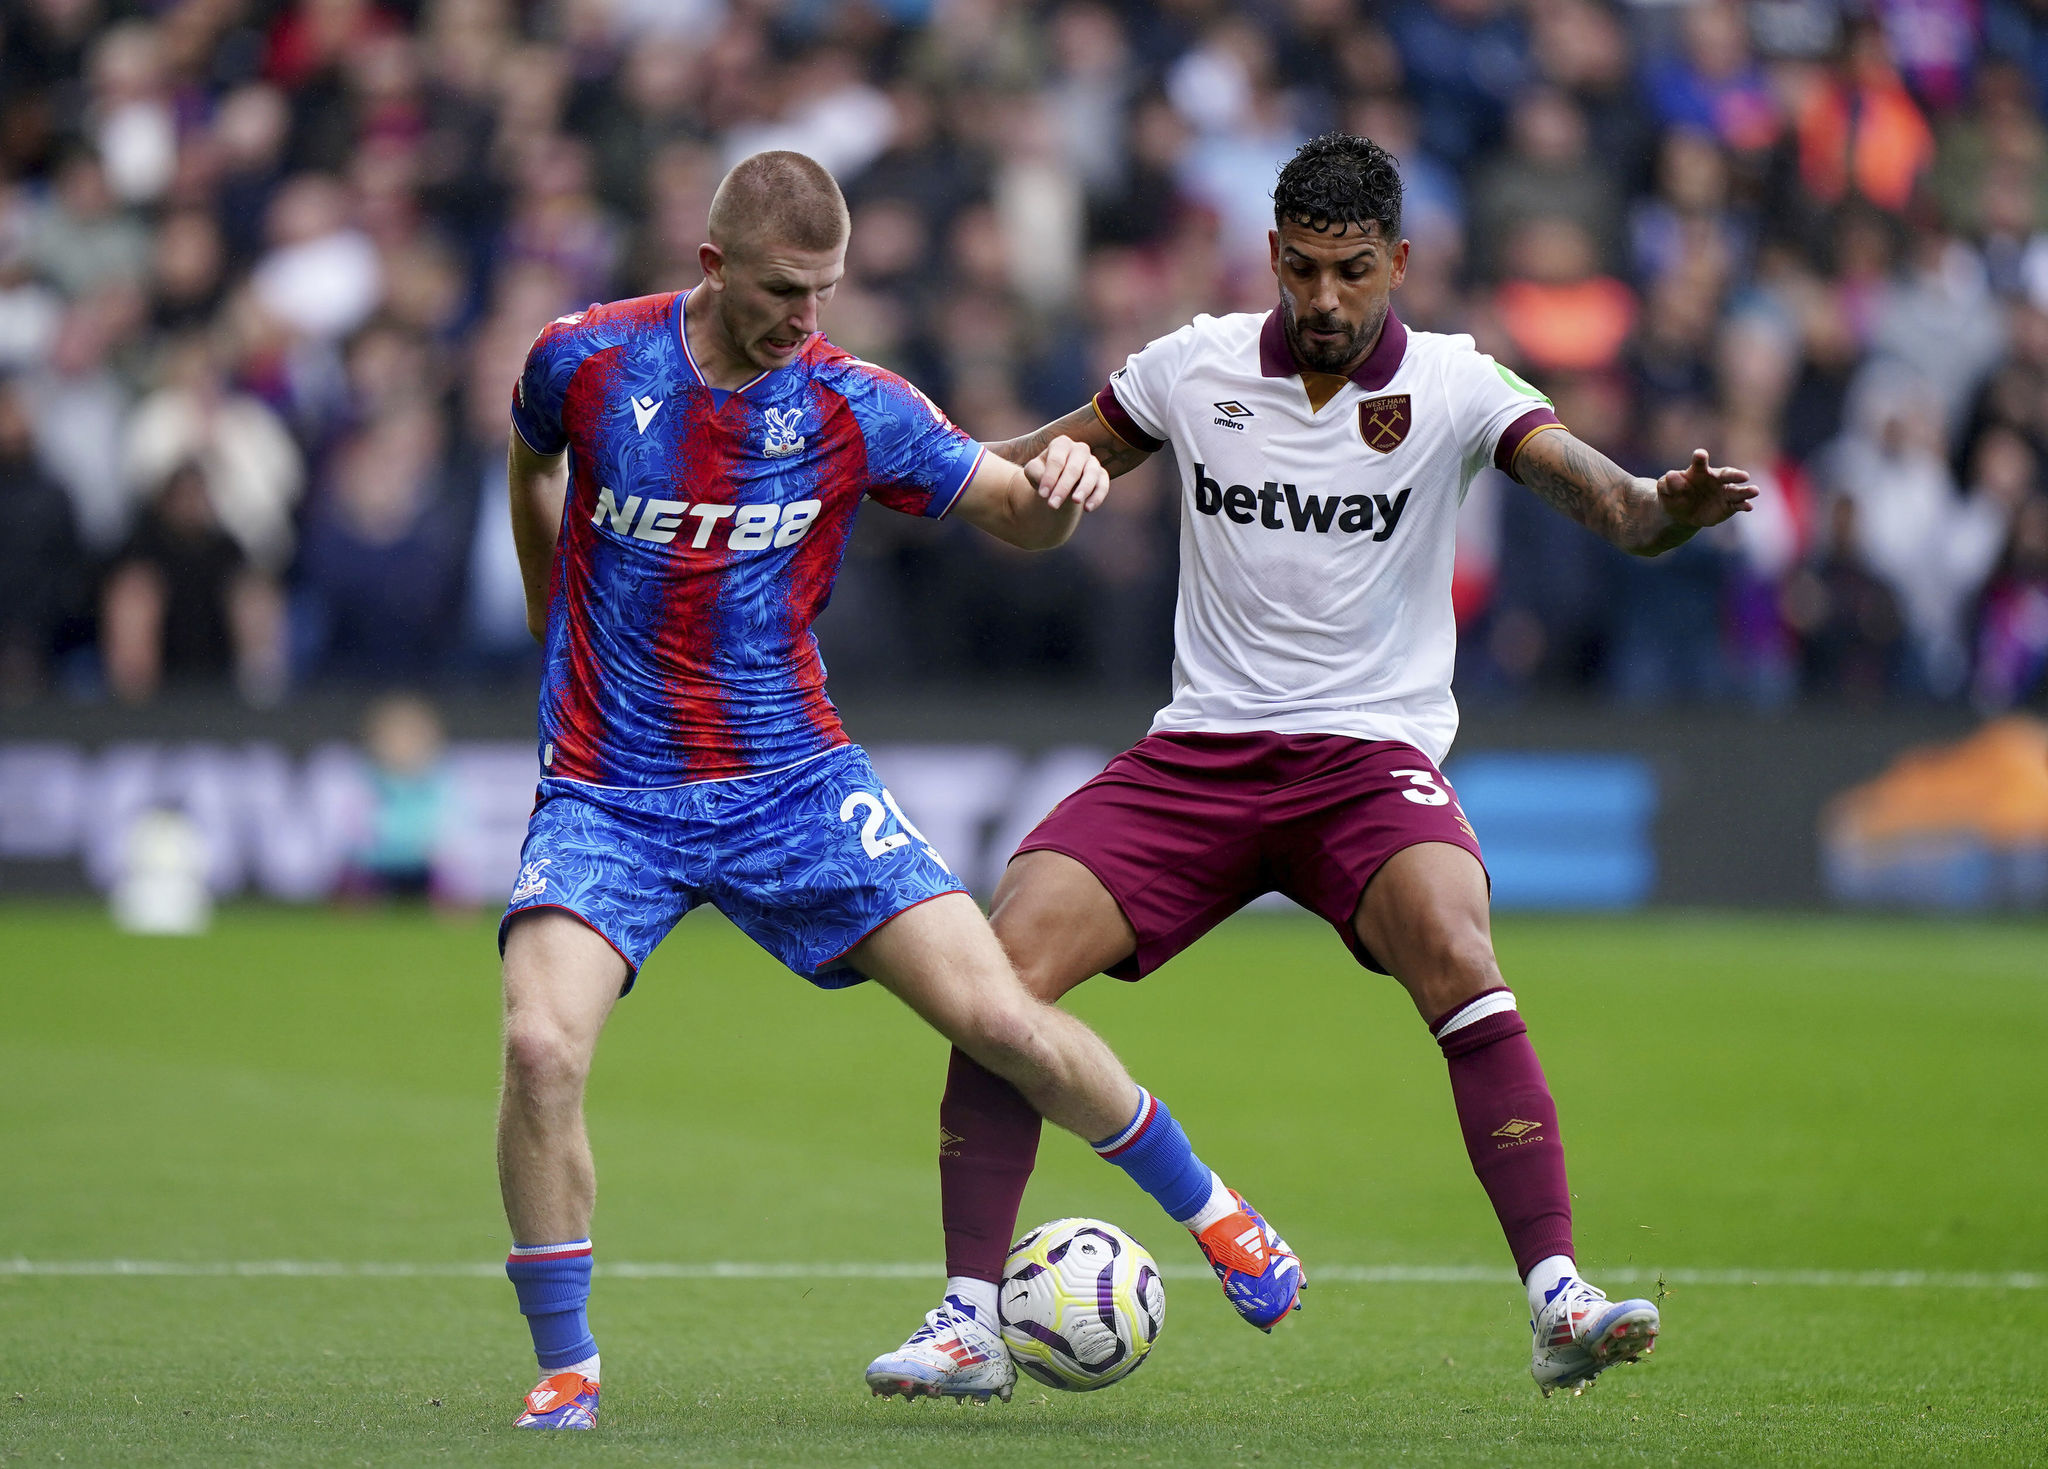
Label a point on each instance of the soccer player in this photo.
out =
(685, 474)
(1324, 449)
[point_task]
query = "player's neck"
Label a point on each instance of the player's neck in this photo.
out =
(720, 363)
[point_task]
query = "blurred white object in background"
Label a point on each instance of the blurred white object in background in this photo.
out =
(163, 887)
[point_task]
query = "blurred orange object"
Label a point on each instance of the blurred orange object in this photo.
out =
(1992, 786)
(1575, 326)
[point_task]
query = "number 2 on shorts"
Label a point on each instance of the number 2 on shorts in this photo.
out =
(1429, 793)
(871, 840)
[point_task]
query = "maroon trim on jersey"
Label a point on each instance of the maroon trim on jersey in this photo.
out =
(1276, 357)
(1517, 434)
(1117, 419)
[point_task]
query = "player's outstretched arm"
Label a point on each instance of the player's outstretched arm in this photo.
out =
(1084, 425)
(1037, 504)
(1645, 517)
(538, 483)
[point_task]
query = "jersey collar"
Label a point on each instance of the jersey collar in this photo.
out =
(1276, 358)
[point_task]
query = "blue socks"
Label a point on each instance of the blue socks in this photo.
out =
(553, 1282)
(1154, 1150)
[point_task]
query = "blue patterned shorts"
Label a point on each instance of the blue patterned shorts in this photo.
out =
(806, 861)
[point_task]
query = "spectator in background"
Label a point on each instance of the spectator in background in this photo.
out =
(29, 309)
(133, 127)
(1464, 62)
(2012, 652)
(382, 566)
(1857, 132)
(250, 463)
(183, 606)
(410, 793)
(41, 565)
(188, 272)
(1668, 638)
(1713, 85)
(1847, 621)
(1548, 171)
(82, 240)
(321, 276)
(1558, 310)
(1687, 225)
(79, 407)
(1932, 547)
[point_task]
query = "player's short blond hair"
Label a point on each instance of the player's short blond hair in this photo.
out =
(778, 198)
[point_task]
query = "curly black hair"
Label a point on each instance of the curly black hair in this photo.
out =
(1339, 179)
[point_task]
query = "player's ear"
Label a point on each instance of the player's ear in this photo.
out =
(1399, 261)
(711, 260)
(1273, 251)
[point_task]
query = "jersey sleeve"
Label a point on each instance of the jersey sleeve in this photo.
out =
(1496, 411)
(918, 459)
(1133, 403)
(544, 383)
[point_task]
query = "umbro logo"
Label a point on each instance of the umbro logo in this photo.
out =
(1229, 411)
(644, 410)
(1517, 1130)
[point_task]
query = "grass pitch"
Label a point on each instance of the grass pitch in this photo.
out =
(1741, 1098)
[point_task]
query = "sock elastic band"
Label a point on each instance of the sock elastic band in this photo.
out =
(1479, 1007)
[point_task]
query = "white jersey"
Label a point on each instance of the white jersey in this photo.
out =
(1316, 543)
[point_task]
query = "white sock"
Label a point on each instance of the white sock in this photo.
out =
(1220, 1206)
(588, 1367)
(1544, 1276)
(978, 1296)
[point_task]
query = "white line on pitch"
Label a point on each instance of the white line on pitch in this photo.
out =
(798, 1270)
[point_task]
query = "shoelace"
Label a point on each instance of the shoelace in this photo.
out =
(935, 1321)
(1575, 1294)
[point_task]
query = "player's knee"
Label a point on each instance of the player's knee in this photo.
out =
(1045, 980)
(543, 1059)
(1456, 959)
(1010, 1039)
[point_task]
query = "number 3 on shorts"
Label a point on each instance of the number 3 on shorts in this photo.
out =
(1429, 792)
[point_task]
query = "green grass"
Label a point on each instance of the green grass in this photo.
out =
(1737, 1094)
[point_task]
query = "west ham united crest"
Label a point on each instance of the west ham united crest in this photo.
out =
(1383, 422)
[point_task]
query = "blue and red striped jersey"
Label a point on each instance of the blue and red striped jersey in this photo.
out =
(700, 538)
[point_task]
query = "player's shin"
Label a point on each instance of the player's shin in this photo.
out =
(1154, 1150)
(553, 1283)
(988, 1142)
(1510, 1125)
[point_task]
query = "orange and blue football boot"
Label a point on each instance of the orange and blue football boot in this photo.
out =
(566, 1400)
(1261, 1276)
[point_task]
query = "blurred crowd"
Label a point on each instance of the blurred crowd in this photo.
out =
(268, 269)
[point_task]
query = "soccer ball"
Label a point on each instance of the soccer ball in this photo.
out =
(1081, 1304)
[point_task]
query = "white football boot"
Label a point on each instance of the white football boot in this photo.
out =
(953, 1355)
(1580, 1334)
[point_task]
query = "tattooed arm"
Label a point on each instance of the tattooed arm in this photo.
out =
(1084, 425)
(1645, 517)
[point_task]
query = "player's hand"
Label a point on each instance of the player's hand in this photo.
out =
(1068, 470)
(1702, 495)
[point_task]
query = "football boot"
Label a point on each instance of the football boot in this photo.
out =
(1580, 1334)
(1261, 1277)
(954, 1354)
(565, 1400)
